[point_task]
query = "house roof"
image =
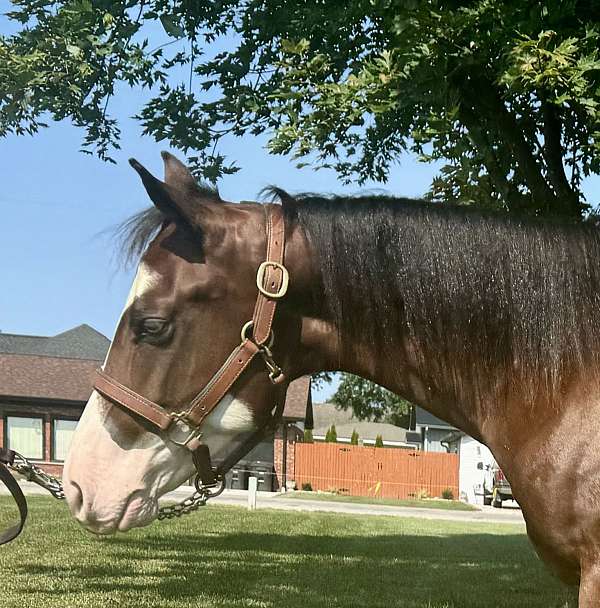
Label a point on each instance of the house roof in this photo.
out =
(297, 399)
(34, 376)
(81, 342)
(424, 418)
(327, 414)
(452, 437)
(367, 430)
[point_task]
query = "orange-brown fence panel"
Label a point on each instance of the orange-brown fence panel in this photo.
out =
(370, 471)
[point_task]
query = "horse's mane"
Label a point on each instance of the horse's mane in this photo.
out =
(482, 297)
(136, 232)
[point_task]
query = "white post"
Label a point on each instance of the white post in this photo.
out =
(252, 485)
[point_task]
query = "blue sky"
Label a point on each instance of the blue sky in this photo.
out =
(59, 205)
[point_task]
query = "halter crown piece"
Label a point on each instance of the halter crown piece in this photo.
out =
(185, 427)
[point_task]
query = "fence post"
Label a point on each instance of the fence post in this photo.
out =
(252, 485)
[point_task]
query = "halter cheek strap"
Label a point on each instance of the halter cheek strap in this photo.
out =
(184, 427)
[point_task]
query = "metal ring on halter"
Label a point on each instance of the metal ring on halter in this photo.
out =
(248, 327)
(205, 490)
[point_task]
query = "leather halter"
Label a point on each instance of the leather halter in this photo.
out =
(184, 427)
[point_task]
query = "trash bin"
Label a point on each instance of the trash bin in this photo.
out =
(237, 479)
(264, 475)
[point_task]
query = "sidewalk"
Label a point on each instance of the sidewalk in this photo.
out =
(276, 500)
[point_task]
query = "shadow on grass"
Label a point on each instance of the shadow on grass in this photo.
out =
(317, 571)
(227, 557)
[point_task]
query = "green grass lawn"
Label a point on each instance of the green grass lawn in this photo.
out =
(449, 505)
(227, 556)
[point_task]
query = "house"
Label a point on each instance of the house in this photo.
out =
(431, 431)
(425, 431)
(45, 382)
(476, 461)
(327, 414)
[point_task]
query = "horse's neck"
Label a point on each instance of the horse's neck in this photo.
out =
(439, 309)
(397, 368)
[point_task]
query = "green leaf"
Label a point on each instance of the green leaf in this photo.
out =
(171, 26)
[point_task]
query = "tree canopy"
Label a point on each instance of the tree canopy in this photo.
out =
(369, 401)
(506, 93)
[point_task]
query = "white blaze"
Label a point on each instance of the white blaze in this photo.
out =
(145, 279)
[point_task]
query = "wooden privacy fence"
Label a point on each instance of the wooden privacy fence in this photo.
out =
(370, 471)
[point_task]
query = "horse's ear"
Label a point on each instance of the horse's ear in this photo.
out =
(177, 175)
(179, 196)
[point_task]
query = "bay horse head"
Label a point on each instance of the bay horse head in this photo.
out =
(199, 361)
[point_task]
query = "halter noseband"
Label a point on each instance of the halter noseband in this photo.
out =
(184, 427)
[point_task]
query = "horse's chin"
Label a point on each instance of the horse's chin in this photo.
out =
(137, 516)
(139, 519)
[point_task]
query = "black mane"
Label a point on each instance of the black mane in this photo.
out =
(136, 232)
(484, 298)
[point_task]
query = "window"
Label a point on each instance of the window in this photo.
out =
(26, 436)
(62, 434)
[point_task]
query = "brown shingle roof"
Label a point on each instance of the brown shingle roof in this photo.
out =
(297, 399)
(81, 342)
(71, 380)
(46, 377)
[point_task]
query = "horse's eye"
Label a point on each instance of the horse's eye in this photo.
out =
(153, 326)
(154, 330)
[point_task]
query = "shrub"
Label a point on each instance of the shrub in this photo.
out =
(422, 494)
(379, 441)
(448, 494)
(307, 487)
(308, 436)
(354, 438)
(331, 435)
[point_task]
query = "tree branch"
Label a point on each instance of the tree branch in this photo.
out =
(481, 140)
(489, 107)
(553, 154)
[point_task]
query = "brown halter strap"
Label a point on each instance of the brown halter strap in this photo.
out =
(7, 458)
(184, 427)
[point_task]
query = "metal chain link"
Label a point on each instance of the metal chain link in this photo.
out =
(188, 505)
(33, 473)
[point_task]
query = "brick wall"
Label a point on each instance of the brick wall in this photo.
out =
(48, 412)
(294, 434)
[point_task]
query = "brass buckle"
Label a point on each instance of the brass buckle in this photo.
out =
(180, 420)
(260, 277)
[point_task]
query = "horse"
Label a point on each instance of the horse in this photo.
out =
(488, 321)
